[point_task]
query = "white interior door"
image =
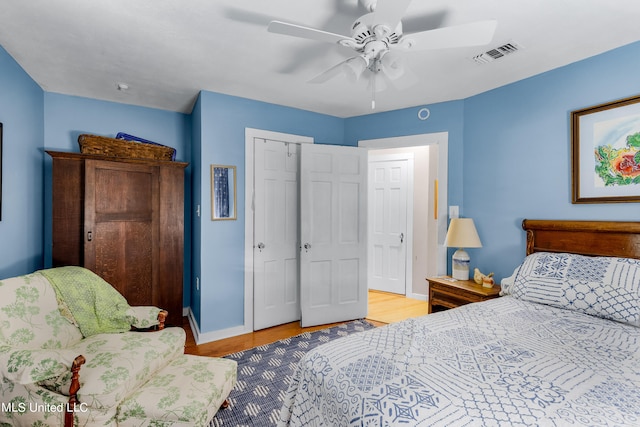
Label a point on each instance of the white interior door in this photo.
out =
(333, 272)
(276, 243)
(388, 195)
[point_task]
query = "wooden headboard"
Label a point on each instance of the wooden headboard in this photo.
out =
(595, 238)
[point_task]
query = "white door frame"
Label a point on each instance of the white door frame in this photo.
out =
(441, 139)
(408, 157)
(250, 135)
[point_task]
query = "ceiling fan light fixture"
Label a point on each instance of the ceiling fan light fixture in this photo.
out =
(354, 67)
(392, 64)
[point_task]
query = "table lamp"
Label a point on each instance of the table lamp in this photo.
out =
(461, 234)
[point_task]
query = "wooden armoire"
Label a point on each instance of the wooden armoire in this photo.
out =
(124, 220)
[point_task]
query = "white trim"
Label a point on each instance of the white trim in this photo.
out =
(406, 141)
(441, 139)
(201, 338)
(409, 158)
(250, 135)
(420, 297)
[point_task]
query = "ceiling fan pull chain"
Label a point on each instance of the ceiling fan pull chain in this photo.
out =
(373, 85)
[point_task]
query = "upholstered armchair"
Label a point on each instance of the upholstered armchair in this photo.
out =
(71, 354)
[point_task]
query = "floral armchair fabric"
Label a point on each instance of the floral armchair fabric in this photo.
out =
(38, 345)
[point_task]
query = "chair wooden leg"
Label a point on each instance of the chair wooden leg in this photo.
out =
(162, 317)
(225, 404)
(73, 390)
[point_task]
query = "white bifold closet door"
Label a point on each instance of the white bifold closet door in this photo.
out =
(310, 229)
(276, 251)
(333, 213)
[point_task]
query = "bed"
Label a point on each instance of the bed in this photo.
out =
(560, 347)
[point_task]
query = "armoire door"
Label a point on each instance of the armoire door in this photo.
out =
(121, 227)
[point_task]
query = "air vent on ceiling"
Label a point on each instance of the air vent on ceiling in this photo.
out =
(497, 53)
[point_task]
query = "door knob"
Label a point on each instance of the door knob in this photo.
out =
(401, 237)
(261, 246)
(307, 246)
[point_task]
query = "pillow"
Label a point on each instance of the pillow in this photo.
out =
(507, 282)
(29, 315)
(606, 287)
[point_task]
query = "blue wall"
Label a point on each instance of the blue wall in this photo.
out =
(223, 121)
(66, 117)
(508, 160)
(443, 117)
(517, 160)
(22, 116)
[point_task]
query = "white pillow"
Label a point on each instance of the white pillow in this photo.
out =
(606, 287)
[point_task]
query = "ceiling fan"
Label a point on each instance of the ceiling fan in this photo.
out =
(379, 42)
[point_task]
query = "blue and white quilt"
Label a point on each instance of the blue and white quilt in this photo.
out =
(504, 362)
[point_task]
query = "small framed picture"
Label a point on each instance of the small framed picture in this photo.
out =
(223, 192)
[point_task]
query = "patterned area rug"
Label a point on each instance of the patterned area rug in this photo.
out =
(264, 374)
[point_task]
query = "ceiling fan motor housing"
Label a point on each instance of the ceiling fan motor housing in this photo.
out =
(365, 30)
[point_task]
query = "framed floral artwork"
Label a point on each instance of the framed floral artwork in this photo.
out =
(605, 152)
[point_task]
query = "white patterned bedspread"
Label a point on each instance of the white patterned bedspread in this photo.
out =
(503, 362)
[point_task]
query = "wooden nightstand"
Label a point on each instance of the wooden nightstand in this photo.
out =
(444, 291)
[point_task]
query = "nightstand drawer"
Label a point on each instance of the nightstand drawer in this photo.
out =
(445, 292)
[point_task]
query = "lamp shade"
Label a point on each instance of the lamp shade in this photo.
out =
(462, 234)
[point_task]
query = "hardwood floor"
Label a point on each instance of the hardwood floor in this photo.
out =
(383, 308)
(390, 308)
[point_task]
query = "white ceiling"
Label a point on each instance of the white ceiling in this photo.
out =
(169, 50)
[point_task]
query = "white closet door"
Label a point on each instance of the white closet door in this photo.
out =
(276, 244)
(388, 222)
(333, 257)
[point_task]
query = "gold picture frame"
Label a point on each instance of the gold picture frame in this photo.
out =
(605, 152)
(223, 193)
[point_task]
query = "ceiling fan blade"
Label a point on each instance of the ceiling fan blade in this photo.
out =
(473, 34)
(329, 74)
(352, 68)
(295, 30)
(390, 12)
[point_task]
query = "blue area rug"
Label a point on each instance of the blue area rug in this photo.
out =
(264, 374)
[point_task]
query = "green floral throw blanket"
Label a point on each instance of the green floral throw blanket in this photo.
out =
(94, 305)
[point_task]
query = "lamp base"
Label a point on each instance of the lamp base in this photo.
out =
(460, 265)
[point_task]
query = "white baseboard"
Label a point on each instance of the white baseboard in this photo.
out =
(206, 337)
(420, 297)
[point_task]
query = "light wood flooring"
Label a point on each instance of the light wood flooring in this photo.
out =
(383, 308)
